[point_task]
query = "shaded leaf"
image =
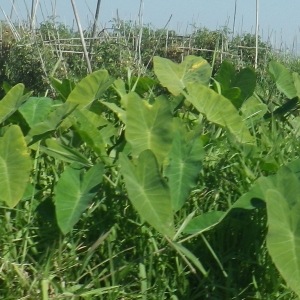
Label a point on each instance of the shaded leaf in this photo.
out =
(64, 153)
(51, 123)
(283, 79)
(64, 87)
(204, 222)
(91, 135)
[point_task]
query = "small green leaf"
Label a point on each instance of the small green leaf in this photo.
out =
(15, 165)
(253, 110)
(148, 192)
(90, 134)
(12, 101)
(74, 192)
(64, 87)
(204, 222)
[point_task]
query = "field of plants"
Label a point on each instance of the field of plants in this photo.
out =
(169, 172)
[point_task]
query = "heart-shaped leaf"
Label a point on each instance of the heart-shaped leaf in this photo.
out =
(15, 165)
(184, 167)
(35, 110)
(74, 192)
(148, 192)
(175, 76)
(149, 126)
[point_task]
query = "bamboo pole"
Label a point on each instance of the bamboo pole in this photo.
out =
(256, 34)
(94, 32)
(86, 55)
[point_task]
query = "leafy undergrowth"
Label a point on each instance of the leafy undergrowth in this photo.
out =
(127, 190)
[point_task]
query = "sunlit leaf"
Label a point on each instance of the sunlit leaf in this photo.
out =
(149, 126)
(148, 192)
(15, 165)
(218, 110)
(90, 88)
(283, 238)
(175, 76)
(184, 167)
(35, 110)
(12, 101)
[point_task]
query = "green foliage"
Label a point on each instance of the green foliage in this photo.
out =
(132, 190)
(74, 192)
(149, 192)
(15, 165)
(176, 76)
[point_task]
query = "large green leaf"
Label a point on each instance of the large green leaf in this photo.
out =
(184, 167)
(15, 165)
(283, 79)
(12, 101)
(149, 126)
(74, 192)
(89, 89)
(148, 192)
(175, 76)
(64, 87)
(35, 110)
(218, 110)
(283, 239)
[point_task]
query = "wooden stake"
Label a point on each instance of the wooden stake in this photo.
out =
(86, 55)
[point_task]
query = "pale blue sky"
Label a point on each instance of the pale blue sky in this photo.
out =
(279, 19)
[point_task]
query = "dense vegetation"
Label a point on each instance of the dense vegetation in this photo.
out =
(167, 178)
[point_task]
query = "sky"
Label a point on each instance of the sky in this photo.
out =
(278, 19)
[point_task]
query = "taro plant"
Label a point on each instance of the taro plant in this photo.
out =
(106, 137)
